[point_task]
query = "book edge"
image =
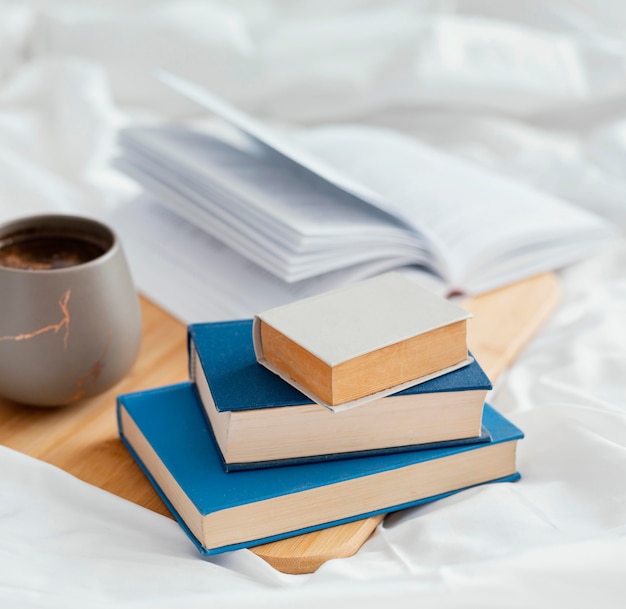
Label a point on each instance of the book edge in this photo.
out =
(484, 438)
(363, 400)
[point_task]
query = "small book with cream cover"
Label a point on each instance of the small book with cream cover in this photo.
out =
(364, 341)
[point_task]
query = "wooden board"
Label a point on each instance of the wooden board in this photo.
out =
(83, 440)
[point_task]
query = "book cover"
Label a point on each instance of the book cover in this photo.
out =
(167, 434)
(347, 346)
(259, 420)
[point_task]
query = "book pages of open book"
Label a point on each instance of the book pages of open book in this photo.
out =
(316, 202)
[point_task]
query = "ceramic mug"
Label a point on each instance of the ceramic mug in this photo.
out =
(70, 322)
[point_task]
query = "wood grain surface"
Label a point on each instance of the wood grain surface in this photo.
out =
(82, 439)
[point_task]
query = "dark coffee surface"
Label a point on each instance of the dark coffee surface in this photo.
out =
(47, 252)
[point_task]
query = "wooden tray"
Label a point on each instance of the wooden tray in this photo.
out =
(83, 439)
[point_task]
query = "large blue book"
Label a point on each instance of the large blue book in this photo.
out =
(259, 420)
(168, 435)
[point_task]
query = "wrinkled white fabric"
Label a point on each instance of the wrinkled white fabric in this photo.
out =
(534, 90)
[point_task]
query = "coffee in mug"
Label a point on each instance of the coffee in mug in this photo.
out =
(70, 323)
(47, 252)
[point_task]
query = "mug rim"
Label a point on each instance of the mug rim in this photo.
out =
(60, 221)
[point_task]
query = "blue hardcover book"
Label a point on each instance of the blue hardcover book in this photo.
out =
(168, 435)
(259, 420)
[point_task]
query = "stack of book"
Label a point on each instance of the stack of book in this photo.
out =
(355, 402)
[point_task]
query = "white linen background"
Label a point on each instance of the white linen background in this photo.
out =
(534, 90)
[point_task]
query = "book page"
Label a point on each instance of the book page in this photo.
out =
(260, 132)
(490, 229)
(287, 219)
(473, 228)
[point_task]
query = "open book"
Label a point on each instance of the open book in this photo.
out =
(308, 203)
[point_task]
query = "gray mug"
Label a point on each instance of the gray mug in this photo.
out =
(70, 322)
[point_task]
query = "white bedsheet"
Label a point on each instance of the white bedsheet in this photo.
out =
(536, 90)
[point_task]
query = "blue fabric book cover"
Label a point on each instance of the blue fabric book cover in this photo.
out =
(241, 397)
(168, 435)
